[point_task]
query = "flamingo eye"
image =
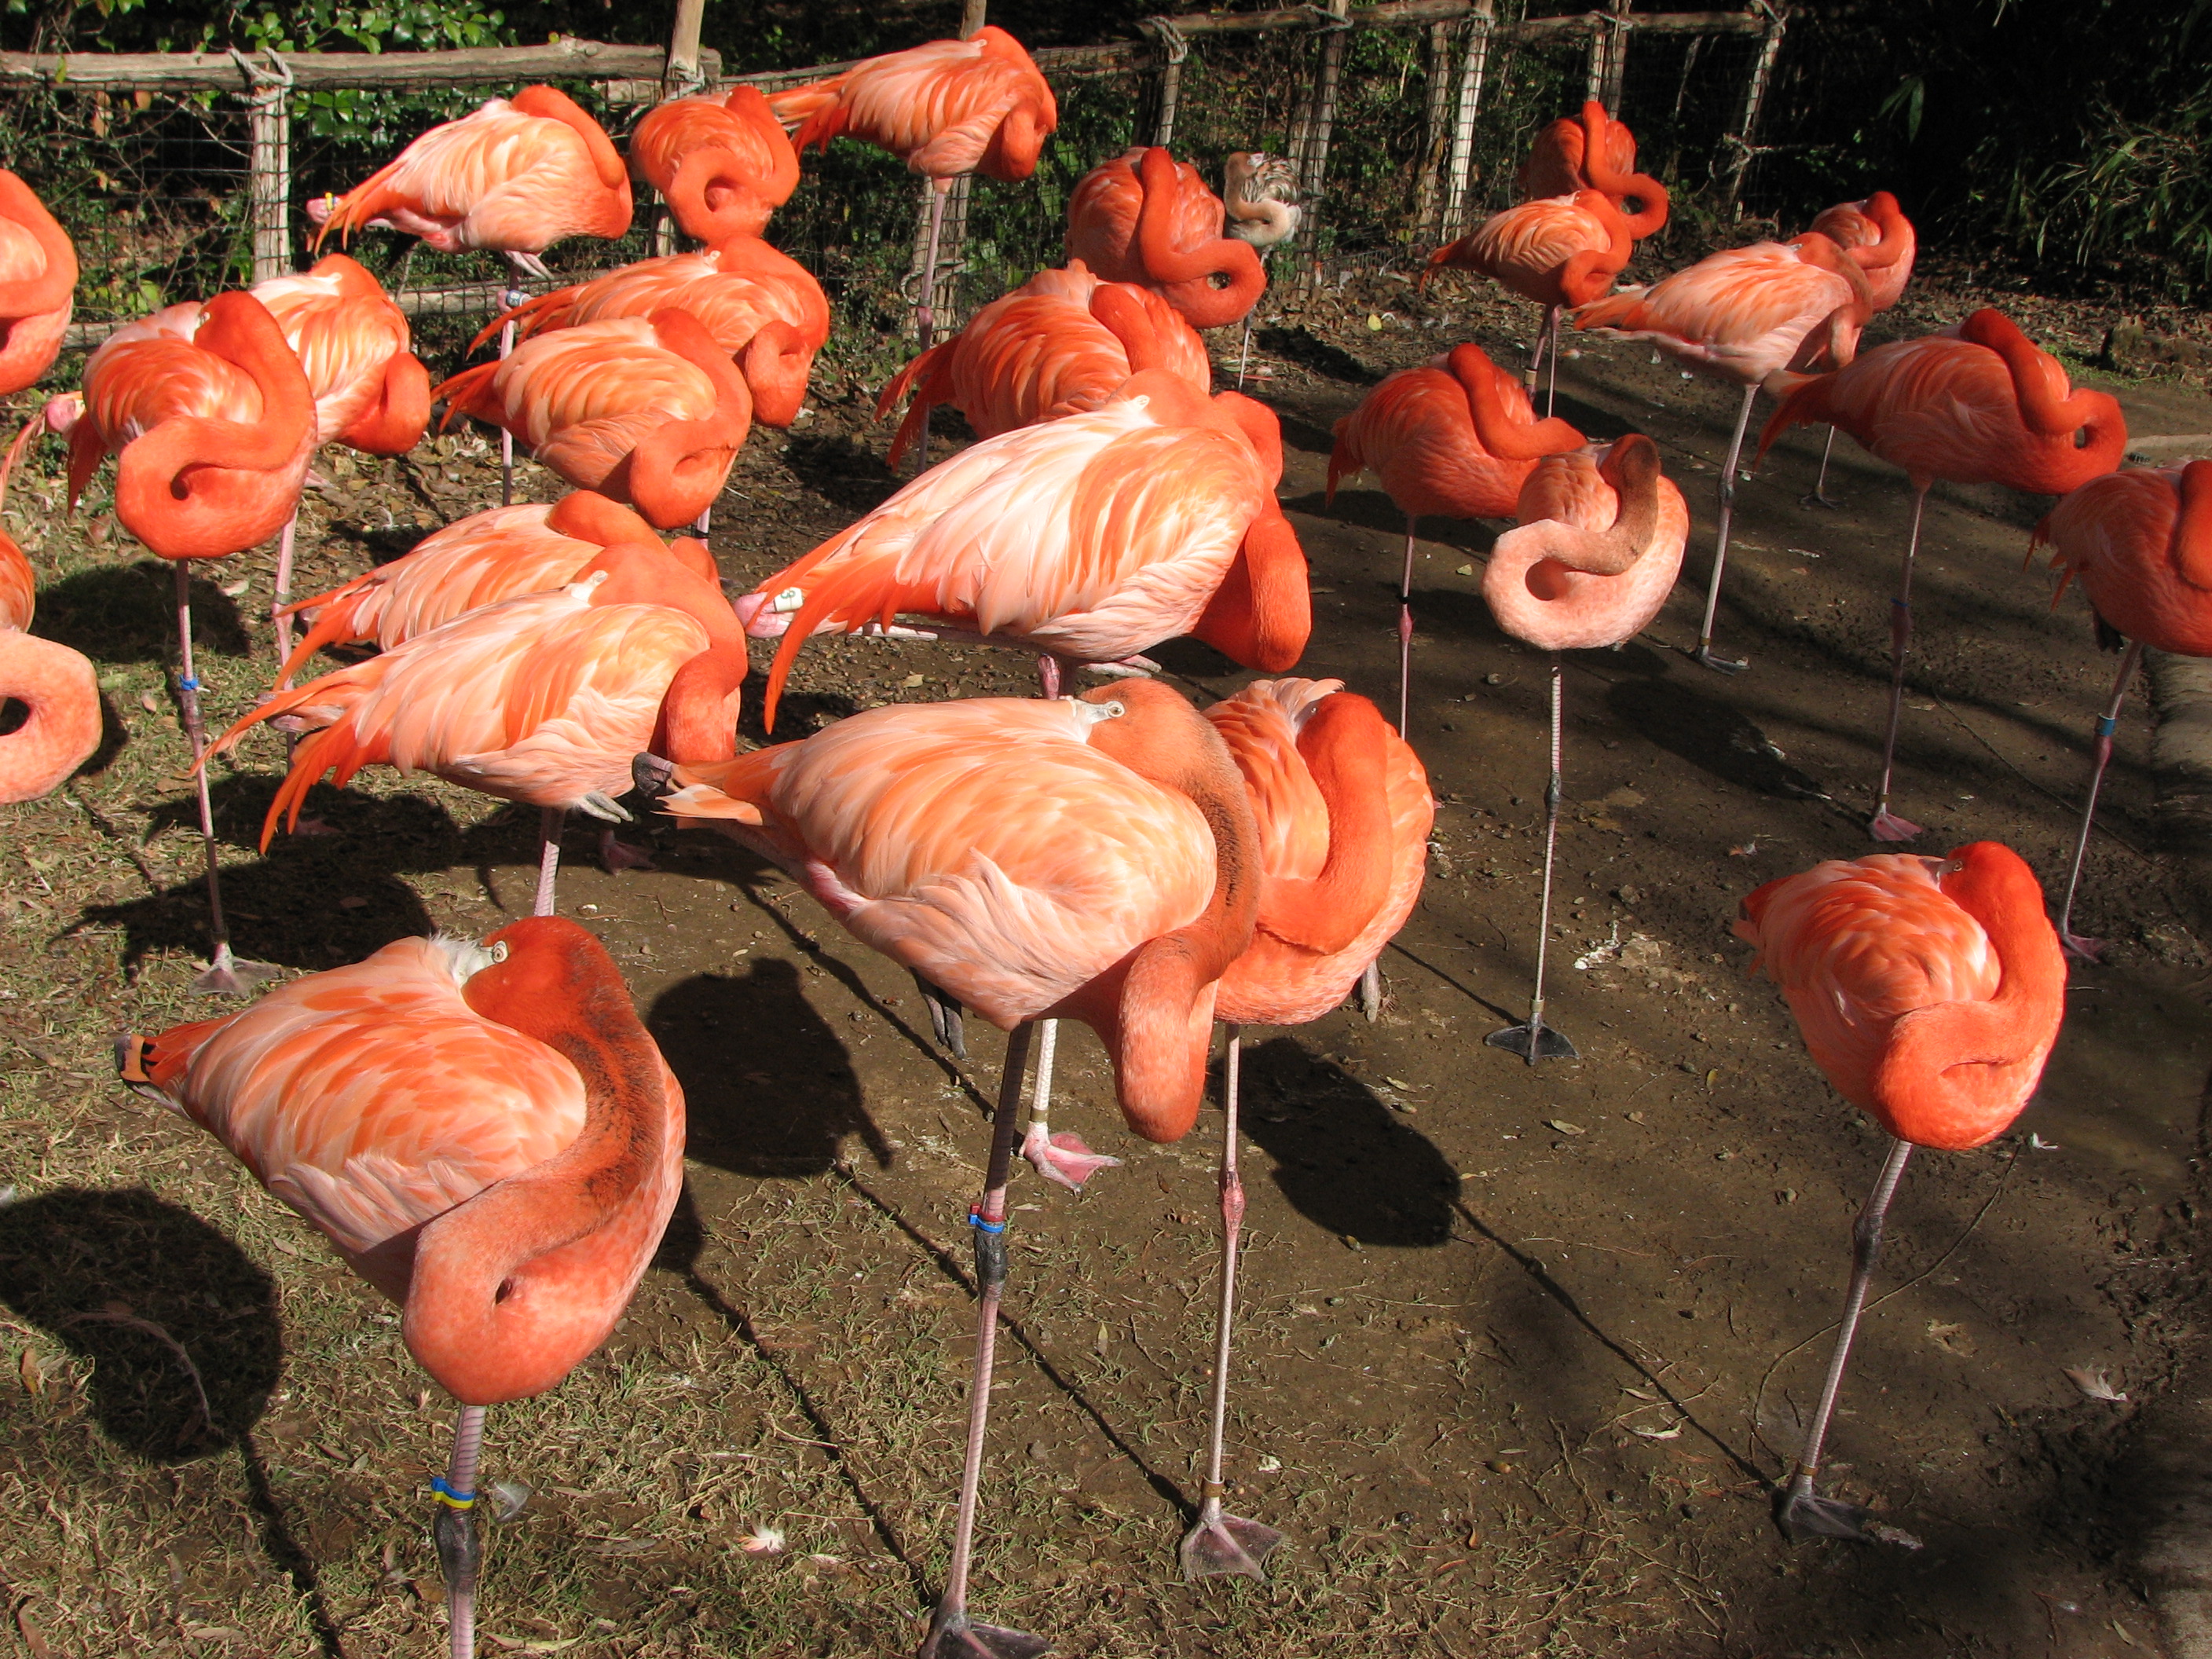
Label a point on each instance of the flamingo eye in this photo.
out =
(499, 953)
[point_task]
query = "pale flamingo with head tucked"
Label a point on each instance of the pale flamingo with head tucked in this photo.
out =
(486, 1134)
(1260, 195)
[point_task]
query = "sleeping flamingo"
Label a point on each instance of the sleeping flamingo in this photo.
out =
(58, 687)
(1091, 857)
(722, 164)
(1930, 991)
(1595, 555)
(1876, 234)
(1455, 438)
(1977, 404)
(484, 1132)
(38, 283)
(2140, 543)
(1260, 195)
(1593, 151)
(1144, 217)
(945, 108)
(1084, 540)
(209, 415)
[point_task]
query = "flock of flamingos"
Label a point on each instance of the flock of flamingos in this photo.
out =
(486, 1132)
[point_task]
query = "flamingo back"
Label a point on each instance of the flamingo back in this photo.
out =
(1744, 314)
(2143, 557)
(150, 371)
(939, 107)
(1416, 433)
(346, 332)
(724, 164)
(19, 586)
(1558, 582)
(1525, 247)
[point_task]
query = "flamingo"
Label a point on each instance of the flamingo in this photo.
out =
(1260, 195)
(371, 393)
(513, 177)
(1752, 316)
(647, 409)
(478, 560)
(1977, 404)
(1455, 438)
(484, 1132)
(56, 685)
(764, 309)
(1561, 251)
(2141, 542)
(722, 164)
(1144, 217)
(541, 699)
(1090, 858)
(1930, 992)
(945, 108)
(1876, 234)
(1084, 540)
(1061, 344)
(1596, 552)
(209, 415)
(37, 281)
(1593, 151)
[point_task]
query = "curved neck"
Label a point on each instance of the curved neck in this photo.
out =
(1896, 239)
(50, 289)
(1345, 744)
(1164, 262)
(1504, 431)
(1650, 215)
(2192, 531)
(237, 329)
(2047, 402)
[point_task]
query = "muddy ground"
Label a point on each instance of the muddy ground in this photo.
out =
(1521, 1350)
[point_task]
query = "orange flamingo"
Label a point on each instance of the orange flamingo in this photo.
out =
(1260, 195)
(1595, 554)
(57, 686)
(1977, 404)
(723, 164)
(1088, 859)
(764, 309)
(1930, 991)
(1876, 234)
(647, 409)
(1084, 540)
(944, 108)
(208, 414)
(1061, 344)
(1144, 217)
(1753, 316)
(2141, 541)
(484, 1132)
(1593, 151)
(1456, 438)
(495, 555)
(540, 699)
(38, 281)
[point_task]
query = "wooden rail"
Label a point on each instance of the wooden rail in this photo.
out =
(202, 71)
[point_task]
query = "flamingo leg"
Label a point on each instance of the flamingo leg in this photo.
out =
(1371, 991)
(225, 974)
(1534, 1040)
(283, 594)
(1819, 497)
(944, 1021)
(514, 297)
(706, 519)
(2089, 950)
(1886, 825)
(548, 859)
(1705, 651)
(1536, 348)
(1048, 675)
(1798, 1510)
(460, 1552)
(1220, 1542)
(1552, 362)
(951, 1635)
(1406, 623)
(1061, 1157)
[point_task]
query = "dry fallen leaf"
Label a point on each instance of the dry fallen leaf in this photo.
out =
(1952, 1339)
(35, 1379)
(1563, 1127)
(1674, 1433)
(2094, 1383)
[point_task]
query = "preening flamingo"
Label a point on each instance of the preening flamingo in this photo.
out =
(1061, 344)
(1752, 316)
(1091, 859)
(1593, 151)
(38, 283)
(944, 108)
(1087, 539)
(647, 409)
(764, 309)
(2140, 543)
(1594, 557)
(723, 164)
(1455, 438)
(488, 556)
(56, 686)
(1144, 217)
(485, 1133)
(1260, 194)
(211, 420)
(1930, 991)
(1876, 234)
(1977, 404)
(541, 699)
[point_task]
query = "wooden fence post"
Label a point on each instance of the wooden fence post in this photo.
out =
(1754, 93)
(1459, 176)
(1615, 31)
(1436, 134)
(1314, 163)
(681, 78)
(1174, 48)
(269, 163)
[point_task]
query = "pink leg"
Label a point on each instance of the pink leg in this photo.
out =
(459, 1552)
(1061, 1157)
(548, 859)
(513, 296)
(2089, 950)
(1406, 623)
(1048, 675)
(1819, 497)
(225, 974)
(1705, 651)
(1886, 825)
(1552, 365)
(283, 595)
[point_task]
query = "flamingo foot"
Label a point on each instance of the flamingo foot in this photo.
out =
(1533, 1042)
(1704, 658)
(952, 1637)
(1063, 1157)
(2081, 949)
(1222, 1543)
(1807, 1515)
(234, 977)
(1129, 668)
(615, 856)
(1371, 992)
(1818, 499)
(944, 1021)
(1886, 825)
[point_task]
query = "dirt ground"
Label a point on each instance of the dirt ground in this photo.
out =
(1521, 1350)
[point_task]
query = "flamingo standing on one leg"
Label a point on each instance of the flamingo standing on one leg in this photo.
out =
(1930, 991)
(486, 1133)
(540, 699)
(1596, 555)
(1092, 858)
(56, 685)
(1146, 218)
(1457, 438)
(513, 177)
(208, 414)
(1752, 316)
(1877, 234)
(38, 283)
(1977, 404)
(945, 108)
(2141, 541)
(1259, 196)
(722, 164)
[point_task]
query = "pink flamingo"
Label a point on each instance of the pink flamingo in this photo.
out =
(723, 164)
(1876, 234)
(484, 1132)
(38, 283)
(56, 685)
(1593, 151)
(1146, 218)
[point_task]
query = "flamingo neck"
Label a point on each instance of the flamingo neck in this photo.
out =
(1504, 424)
(1345, 744)
(2192, 529)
